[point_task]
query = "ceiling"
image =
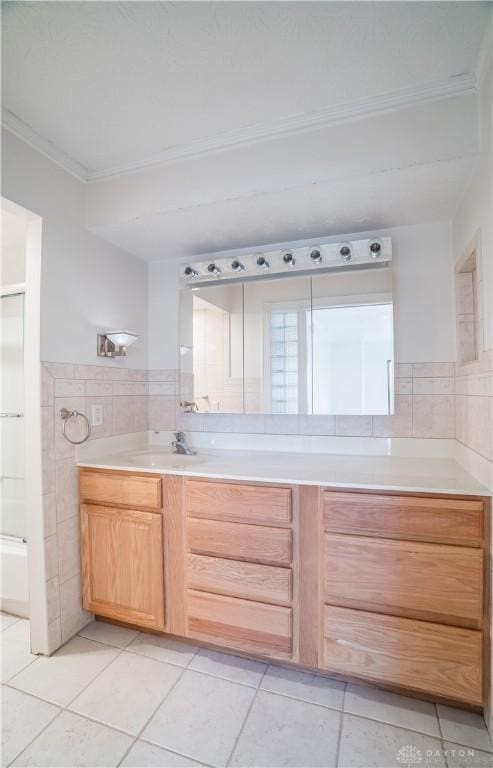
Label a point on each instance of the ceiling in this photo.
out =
(208, 125)
(114, 85)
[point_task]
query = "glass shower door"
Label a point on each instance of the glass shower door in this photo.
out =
(12, 481)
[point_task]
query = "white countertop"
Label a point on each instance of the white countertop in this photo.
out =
(392, 473)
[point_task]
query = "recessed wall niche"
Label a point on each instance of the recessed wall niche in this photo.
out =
(467, 306)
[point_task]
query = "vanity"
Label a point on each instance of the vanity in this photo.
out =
(386, 585)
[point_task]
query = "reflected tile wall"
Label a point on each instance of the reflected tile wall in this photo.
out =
(424, 407)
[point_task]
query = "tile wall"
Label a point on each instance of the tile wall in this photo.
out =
(424, 407)
(132, 401)
(474, 405)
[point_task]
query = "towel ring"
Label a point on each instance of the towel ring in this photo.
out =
(66, 415)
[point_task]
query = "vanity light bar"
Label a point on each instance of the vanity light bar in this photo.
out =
(350, 254)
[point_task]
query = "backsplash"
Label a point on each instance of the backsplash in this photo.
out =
(424, 408)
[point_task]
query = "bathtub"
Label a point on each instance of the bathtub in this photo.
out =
(14, 589)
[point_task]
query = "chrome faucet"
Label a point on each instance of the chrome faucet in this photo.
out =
(181, 446)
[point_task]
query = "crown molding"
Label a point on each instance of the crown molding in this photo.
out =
(23, 131)
(327, 117)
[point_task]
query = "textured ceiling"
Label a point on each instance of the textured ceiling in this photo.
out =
(112, 84)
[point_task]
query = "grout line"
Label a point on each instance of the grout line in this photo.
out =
(167, 749)
(154, 711)
(254, 697)
(400, 727)
(55, 716)
(339, 735)
(438, 721)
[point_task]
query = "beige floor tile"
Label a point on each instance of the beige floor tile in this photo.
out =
(59, 678)
(16, 653)
(72, 741)
(370, 744)
(458, 756)
(128, 692)
(163, 649)
(391, 708)
(201, 718)
(109, 634)
(230, 667)
(6, 620)
(465, 728)
(303, 685)
(23, 718)
(285, 732)
(150, 756)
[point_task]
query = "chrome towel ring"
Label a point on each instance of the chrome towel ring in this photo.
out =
(66, 415)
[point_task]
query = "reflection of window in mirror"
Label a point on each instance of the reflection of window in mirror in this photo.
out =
(275, 350)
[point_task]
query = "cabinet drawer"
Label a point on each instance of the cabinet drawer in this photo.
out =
(242, 624)
(431, 658)
(115, 488)
(428, 581)
(449, 521)
(261, 505)
(271, 546)
(267, 583)
(122, 564)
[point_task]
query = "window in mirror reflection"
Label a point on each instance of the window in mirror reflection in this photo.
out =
(352, 358)
(275, 346)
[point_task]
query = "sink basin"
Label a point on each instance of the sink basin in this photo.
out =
(164, 459)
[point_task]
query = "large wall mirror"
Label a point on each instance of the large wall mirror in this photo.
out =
(297, 344)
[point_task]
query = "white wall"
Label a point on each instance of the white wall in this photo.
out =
(13, 241)
(163, 315)
(475, 212)
(87, 285)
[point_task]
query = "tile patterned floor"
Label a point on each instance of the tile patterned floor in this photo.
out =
(116, 697)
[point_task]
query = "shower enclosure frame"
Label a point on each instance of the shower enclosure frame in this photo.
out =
(35, 525)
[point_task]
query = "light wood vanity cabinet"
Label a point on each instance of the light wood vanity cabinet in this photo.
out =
(384, 587)
(122, 549)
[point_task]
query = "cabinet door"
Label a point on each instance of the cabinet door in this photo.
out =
(122, 564)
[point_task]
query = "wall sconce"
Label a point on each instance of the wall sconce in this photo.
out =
(316, 256)
(289, 259)
(214, 270)
(237, 266)
(115, 343)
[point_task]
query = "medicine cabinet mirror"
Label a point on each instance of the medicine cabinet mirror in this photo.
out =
(316, 344)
